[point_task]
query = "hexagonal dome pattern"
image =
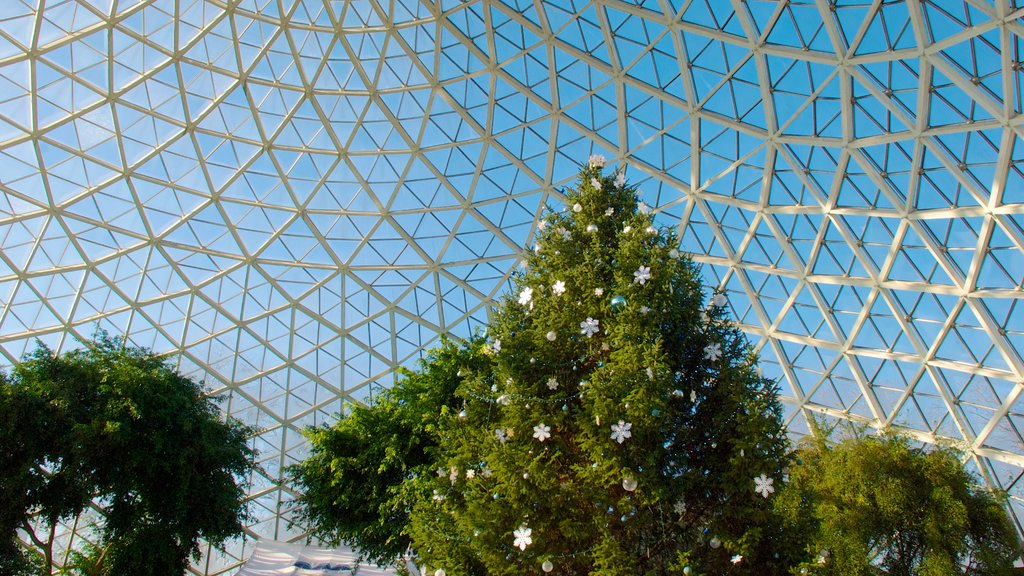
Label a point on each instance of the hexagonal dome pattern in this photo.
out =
(296, 196)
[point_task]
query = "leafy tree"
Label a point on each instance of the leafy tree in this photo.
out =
(118, 424)
(616, 425)
(877, 505)
(354, 484)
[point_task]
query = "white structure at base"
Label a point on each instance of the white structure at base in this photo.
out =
(272, 558)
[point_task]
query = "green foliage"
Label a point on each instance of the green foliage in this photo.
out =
(877, 505)
(119, 424)
(355, 483)
(703, 424)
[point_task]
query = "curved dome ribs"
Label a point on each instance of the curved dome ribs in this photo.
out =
(295, 197)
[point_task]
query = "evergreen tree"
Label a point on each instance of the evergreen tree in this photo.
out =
(355, 484)
(621, 426)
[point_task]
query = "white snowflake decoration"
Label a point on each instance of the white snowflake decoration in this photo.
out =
(438, 497)
(627, 229)
(596, 161)
(719, 300)
(542, 432)
(526, 296)
(651, 230)
(552, 383)
(536, 248)
(673, 254)
(504, 400)
(679, 507)
(763, 485)
(693, 396)
(644, 309)
(501, 435)
(620, 178)
(642, 275)
(453, 474)
(551, 336)
(595, 183)
(713, 351)
(522, 537)
(737, 559)
(598, 291)
(621, 431)
(643, 208)
(591, 227)
(496, 347)
(558, 288)
(470, 474)
(650, 373)
(589, 327)
(565, 233)
(541, 224)
(609, 212)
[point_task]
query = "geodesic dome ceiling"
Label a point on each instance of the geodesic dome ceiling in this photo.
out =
(296, 196)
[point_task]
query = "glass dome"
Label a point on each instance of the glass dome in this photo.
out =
(293, 197)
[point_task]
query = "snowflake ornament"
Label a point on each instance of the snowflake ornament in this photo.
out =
(589, 327)
(643, 208)
(620, 179)
(526, 296)
(595, 183)
(737, 559)
(542, 432)
(644, 309)
(651, 230)
(541, 224)
(591, 227)
(522, 537)
(598, 291)
(763, 485)
(596, 161)
(642, 275)
(627, 229)
(536, 248)
(552, 384)
(609, 212)
(679, 507)
(504, 400)
(470, 474)
(501, 435)
(673, 254)
(650, 373)
(621, 431)
(558, 288)
(713, 351)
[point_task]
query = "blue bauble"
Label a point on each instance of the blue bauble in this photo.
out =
(618, 303)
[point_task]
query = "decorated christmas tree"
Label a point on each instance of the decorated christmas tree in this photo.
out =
(621, 427)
